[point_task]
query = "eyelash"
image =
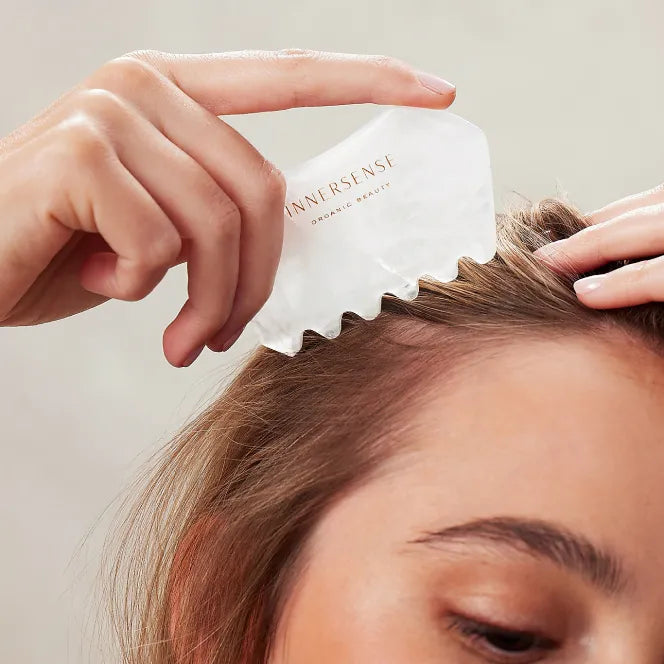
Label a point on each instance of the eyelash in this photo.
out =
(478, 636)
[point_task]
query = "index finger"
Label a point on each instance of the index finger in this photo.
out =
(627, 204)
(255, 81)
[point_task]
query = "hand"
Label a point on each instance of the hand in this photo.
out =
(632, 227)
(132, 172)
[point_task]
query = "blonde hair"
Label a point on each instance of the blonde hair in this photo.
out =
(204, 558)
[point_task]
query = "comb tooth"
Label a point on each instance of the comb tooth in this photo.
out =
(332, 329)
(408, 291)
(372, 309)
(297, 344)
(403, 197)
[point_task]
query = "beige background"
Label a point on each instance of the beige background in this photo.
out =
(569, 93)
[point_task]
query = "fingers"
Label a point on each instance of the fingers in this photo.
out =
(632, 227)
(163, 180)
(255, 81)
(181, 96)
(260, 251)
(630, 285)
(142, 240)
(254, 184)
(30, 241)
(617, 208)
(107, 130)
(200, 210)
(141, 237)
(633, 234)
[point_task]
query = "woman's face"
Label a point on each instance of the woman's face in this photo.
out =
(524, 524)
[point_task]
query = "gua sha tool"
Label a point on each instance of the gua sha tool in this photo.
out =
(406, 195)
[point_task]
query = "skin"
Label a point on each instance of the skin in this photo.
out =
(132, 172)
(566, 433)
(627, 228)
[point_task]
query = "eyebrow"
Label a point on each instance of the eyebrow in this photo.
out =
(541, 539)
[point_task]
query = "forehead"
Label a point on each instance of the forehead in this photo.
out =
(568, 432)
(541, 395)
(569, 429)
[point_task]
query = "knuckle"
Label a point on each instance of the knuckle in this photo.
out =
(100, 105)
(145, 55)
(126, 72)
(385, 61)
(225, 218)
(274, 182)
(295, 58)
(84, 141)
(391, 64)
(164, 250)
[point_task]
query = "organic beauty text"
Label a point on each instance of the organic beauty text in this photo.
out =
(331, 189)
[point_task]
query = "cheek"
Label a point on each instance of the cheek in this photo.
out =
(355, 611)
(352, 602)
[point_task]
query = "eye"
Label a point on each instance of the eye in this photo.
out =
(502, 645)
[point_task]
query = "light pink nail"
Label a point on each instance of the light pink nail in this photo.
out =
(192, 356)
(231, 340)
(436, 84)
(589, 284)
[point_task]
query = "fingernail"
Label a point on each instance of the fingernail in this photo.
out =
(192, 356)
(550, 249)
(435, 84)
(589, 284)
(231, 340)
